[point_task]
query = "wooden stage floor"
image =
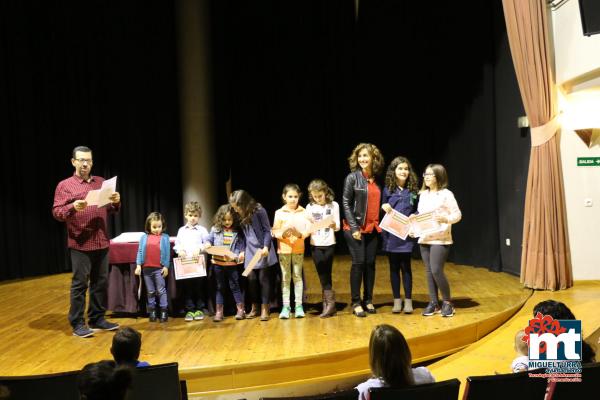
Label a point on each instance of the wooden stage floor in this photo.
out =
(234, 355)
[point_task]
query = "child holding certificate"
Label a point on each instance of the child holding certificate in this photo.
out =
(225, 232)
(400, 194)
(290, 227)
(153, 259)
(322, 241)
(256, 227)
(436, 198)
(189, 243)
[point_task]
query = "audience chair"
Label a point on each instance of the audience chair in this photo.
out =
(505, 386)
(427, 391)
(590, 378)
(60, 386)
(351, 394)
(159, 381)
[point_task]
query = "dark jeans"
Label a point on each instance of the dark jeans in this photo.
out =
(363, 254)
(259, 285)
(400, 262)
(434, 257)
(155, 287)
(193, 294)
(89, 266)
(323, 258)
(232, 275)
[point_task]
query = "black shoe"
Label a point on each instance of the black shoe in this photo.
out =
(103, 325)
(371, 308)
(358, 311)
(152, 315)
(163, 316)
(83, 331)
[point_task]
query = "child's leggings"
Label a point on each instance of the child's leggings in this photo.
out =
(231, 274)
(291, 264)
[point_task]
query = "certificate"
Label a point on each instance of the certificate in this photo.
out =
(321, 224)
(396, 223)
(222, 251)
(252, 263)
(423, 224)
(189, 267)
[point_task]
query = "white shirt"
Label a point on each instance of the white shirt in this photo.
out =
(325, 236)
(421, 375)
(520, 363)
(190, 238)
(444, 203)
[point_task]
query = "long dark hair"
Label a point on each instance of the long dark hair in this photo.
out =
(389, 356)
(412, 183)
(245, 203)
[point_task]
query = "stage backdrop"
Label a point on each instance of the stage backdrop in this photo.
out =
(296, 85)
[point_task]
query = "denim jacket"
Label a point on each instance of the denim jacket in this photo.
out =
(165, 250)
(216, 238)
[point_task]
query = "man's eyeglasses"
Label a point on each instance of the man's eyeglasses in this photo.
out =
(84, 160)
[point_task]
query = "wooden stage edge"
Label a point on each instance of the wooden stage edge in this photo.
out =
(348, 365)
(234, 359)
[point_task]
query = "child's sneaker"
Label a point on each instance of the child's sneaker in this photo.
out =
(285, 312)
(299, 312)
(198, 315)
(189, 316)
(431, 309)
(447, 309)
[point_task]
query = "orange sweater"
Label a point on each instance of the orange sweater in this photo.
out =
(284, 219)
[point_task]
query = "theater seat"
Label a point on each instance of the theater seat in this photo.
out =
(60, 386)
(590, 382)
(505, 386)
(437, 390)
(159, 381)
(343, 395)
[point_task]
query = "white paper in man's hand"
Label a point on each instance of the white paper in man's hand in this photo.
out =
(101, 197)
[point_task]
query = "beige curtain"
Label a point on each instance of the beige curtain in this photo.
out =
(545, 259)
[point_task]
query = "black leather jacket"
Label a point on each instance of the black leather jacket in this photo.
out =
(354, 200)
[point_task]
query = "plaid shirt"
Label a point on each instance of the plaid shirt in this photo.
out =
(86, 229)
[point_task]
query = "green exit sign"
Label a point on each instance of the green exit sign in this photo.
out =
(588, 161)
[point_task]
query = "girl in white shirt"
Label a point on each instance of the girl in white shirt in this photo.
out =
(322, 241)
(435, 196)
(390, 361)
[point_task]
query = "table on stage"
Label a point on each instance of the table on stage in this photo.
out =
(123, 283)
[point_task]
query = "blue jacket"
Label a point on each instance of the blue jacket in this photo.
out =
(165, 250)
(216, 238)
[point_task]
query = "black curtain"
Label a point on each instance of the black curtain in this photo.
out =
(298, 85)
(95, 73)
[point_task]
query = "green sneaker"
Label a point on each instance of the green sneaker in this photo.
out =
(299, 311)
(189, 316)
(285, 312)
(198, 315)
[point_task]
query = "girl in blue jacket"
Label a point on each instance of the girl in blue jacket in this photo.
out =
(153, 259)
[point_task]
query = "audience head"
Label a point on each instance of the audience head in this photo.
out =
(126, 346)
(555, 309)
(389, 356)
(558, 310)
(521, 346)
(104, 380)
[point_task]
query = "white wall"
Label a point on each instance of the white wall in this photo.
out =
(575, 55)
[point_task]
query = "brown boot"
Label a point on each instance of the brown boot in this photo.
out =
(264, 312)
(329, 309)
(241, 313)
(218, 314)
(253, 311)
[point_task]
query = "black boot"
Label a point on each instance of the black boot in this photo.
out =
(152, 315)
(163, 316)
